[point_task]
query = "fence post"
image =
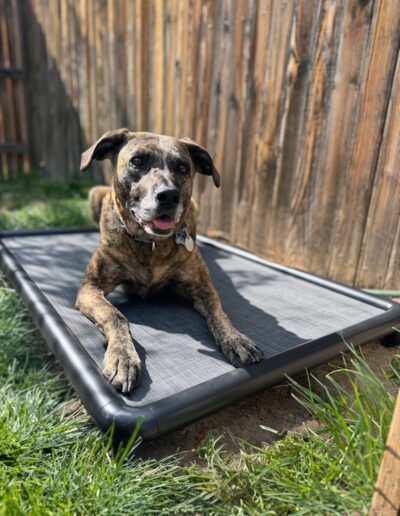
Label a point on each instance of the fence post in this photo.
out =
(386, 499)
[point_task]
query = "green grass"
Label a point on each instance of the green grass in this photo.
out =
(35, 202)
(50, 463)
(331, 471)
(53, 461)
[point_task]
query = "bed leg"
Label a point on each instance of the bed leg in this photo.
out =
(391, 340)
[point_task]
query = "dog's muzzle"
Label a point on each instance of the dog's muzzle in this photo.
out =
(158, 218)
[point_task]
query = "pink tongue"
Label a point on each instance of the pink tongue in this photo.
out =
(163, 223)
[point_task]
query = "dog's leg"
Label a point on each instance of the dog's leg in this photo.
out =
(96, 196)
(121, 361)
(195, 280)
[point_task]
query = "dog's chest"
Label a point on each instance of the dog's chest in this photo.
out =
(145, 280)
(151, 275)
(146, 270)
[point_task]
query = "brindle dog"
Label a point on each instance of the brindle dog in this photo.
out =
(148, 204)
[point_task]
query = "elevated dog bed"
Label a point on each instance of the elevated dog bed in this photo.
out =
(299, 320)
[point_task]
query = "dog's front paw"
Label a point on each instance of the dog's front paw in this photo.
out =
(122, 367)
(240, 350)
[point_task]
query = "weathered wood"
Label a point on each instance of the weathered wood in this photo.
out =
(297, 100)
(20, 90)
(379, 253)
(158, 66)
(131, 68)
(271, 124)
(8, 92)
(226, 127)
(352, 206)
(35, 67)
(83, 68)
(303, 46)
(13, 130)
(204, 76)
(386, 498)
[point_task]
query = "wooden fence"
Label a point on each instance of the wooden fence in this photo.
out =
(13, 131)
(297, 100)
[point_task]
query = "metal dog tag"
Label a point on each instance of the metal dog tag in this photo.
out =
(183, 238)
(189, 244)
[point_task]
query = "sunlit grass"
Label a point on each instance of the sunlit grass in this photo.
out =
(36, 202)
(50, 464)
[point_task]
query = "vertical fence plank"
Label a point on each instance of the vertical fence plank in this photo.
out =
(4, 158)
(303, 45)
(111, 65)
(258, 52)
(341, 124)
(13, 130)
(19, 85)
(191, 94)
(129, 30)
(209, 204)
(226, 128)
(377, 260)
(233, 95)
(84, 71)
(171, 42)
(96, 55)
(386, 498)
(271, 123)
(245, 108)
(340, 103)
(158, 65)
(10, 127)
(309, 185)
(64, 128)
(203, 97)
(142, 75)
(121, 63)
(35, 73)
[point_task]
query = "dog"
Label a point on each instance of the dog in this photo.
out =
(148, 240)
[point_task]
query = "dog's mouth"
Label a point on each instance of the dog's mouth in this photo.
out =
(162, 225)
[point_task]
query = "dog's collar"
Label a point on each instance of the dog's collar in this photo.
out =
(143, 240)
(182, 237)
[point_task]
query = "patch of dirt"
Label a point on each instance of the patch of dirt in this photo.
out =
(273, 407)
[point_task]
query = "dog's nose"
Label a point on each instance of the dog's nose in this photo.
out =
(168, 196)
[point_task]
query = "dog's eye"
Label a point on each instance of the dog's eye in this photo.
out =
(182, 168)
(138, 161)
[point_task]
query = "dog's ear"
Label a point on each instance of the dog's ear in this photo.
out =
(202, 160)
(105, 147)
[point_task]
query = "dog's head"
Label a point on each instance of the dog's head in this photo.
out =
(153, 176)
